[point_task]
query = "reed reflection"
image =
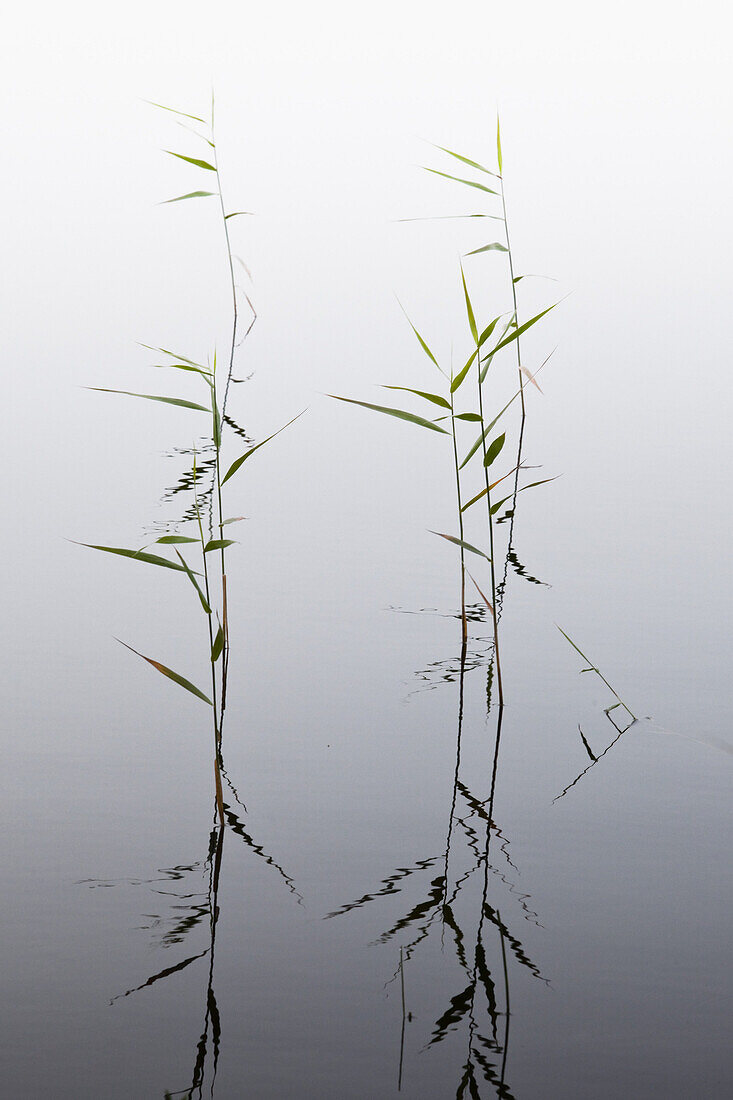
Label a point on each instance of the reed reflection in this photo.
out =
(457, 906)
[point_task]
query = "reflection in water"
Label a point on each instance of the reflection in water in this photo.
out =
(455, 906)
(190, 911)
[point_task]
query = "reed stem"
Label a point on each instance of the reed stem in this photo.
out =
(464, 621)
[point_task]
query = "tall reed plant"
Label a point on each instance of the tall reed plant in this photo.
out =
(209, 541)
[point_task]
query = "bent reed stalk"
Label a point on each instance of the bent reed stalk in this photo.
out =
(212, 608)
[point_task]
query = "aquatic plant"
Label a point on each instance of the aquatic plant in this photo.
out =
(503, 330)
(208, 514)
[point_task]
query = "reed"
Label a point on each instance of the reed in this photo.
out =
(209, 580)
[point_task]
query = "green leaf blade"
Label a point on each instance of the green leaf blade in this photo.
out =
(468, 183)
(218, 544)
(170, 674)
(463, 372)
(412, 418)
(494, 247)
(190, 195)
(218, 646)
(193, 160)
(153, 397)
(461, 542)
(135, 555)
(434, 397)
(238, 462)
(494, 449)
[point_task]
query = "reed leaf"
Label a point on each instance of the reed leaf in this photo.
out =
(472, 418)
(237, 214)
(153, 397)
(190, 195)
(422, 343)
(174, 676)
(463, 372)
(175, 355)
(169, 540)
(218, 544)
(243, 458)
(461, 542)
(522, 328)
(194, 582)
(193, 160)
(136, 555)
(218, 646)
(469, 308)
(399, 413)
(495, 449)
(205, 374)
(468, 183)
(434, 397)
(173, 111)
(495, 247)
(465, 160)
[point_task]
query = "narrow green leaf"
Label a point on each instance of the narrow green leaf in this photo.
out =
(468, 183)
(434, 397)
(237, 214)
(238, 462)
(174, 355)
(483, 492)
(153, 397)
(234, 519)
(218, 544)
(489, 358)
(463, 372)
(217, 646)
(205, 374)
(399, 413)
(422, 343)
(488, 330)
(469, 308)
(465, 160)
(522, 328)
(169, 540)
(495, 247)
(495, 449)
(192, 160)
(460, 542)
(184, 683)
(136, 555)
(473, 418)
(190, 195)
(497, 506)
(194, 582)
(498, 143)
(174, 111)
(216, 427)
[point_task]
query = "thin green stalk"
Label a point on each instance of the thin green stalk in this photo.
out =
(217, 728)
(230, 260)
(460, 520)
(514, 293)
(491, 531)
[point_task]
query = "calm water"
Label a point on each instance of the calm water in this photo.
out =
(424, 896)
(415, 894)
